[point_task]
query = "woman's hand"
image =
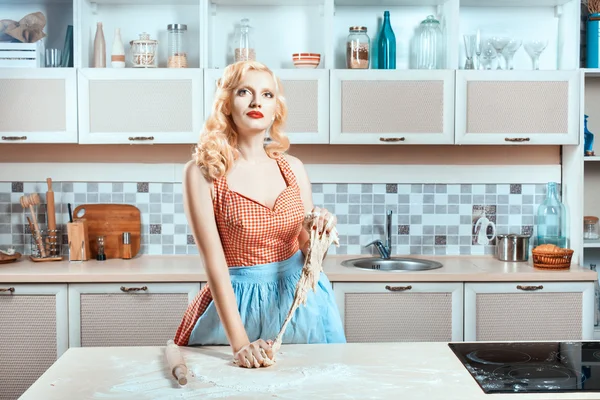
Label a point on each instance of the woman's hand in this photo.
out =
(325, 222)
(254, 354)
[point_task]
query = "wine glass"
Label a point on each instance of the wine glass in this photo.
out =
(488, 55)
(469, 50)
(499, 42)
(509, 51)
(534, 48)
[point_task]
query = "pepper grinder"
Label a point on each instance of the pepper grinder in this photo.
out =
(126, 252)
(101, 256)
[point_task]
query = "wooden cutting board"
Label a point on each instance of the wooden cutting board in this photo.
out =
(110, 221)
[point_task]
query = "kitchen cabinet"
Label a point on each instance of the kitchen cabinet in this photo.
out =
(33, 332)
(127, 314)
(38, 105)
(401, 311)
(529, 311)
(392, 107)
(517, 107)
(140, 105)
(306, 93)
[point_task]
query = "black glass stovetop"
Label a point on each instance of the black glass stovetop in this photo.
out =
(532, 366)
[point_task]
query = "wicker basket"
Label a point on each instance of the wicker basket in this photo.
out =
(552, 260)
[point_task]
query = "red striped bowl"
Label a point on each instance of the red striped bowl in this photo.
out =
(306, 60)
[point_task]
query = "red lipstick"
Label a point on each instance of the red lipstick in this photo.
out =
(255, 114)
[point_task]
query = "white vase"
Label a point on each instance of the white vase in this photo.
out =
(117, 55)
(99, 47)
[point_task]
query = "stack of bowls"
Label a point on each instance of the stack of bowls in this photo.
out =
(306, 60)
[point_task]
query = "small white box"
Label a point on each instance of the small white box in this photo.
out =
(22, 55)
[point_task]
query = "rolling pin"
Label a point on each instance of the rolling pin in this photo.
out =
(52, 238)
(176, 362)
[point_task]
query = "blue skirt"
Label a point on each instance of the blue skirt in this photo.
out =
(265, 293)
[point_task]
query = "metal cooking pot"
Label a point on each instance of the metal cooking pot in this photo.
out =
(512, 247)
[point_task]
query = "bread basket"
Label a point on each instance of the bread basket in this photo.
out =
(558, 258)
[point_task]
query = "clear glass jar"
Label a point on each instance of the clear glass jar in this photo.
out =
(143, 51)
(243, 45)
(430, 44)
(590, 228)
(177, 57)
(358, 48)
(552, 219)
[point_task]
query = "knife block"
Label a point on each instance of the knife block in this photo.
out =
(79, 243)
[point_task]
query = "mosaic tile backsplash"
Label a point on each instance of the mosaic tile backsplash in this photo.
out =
(427, 218)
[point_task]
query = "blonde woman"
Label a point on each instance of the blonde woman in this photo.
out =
(245, 202)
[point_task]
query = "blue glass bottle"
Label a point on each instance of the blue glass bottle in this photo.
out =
(588, 146)
(386, 45)
(552, 219)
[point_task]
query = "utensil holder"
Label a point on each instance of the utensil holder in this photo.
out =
(79, 244)
(52, 243)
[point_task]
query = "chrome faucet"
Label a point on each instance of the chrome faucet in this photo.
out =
(385, 250)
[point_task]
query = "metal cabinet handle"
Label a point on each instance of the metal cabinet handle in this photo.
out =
(10, 289)
(516, 139)
(133, 289)
(14, 138)
(540, 287)
(133, 138)
(392, 139)
(398, 288)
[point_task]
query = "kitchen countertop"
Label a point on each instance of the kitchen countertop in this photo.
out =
(187, 268)
(332, 371)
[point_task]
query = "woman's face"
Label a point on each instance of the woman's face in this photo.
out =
(253, 105)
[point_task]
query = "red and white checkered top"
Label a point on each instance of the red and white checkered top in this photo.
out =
(251, 234)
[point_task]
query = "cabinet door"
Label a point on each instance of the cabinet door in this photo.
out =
(401, 312)
(393, 107)
(33, 334)
(127, 314)
(517, 107)
(38, 105)
(306, 95)
(140, 106)
(529, 311)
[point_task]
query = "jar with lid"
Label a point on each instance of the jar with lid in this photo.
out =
(177, 57)
(358, 47)
(590, 228)
(143, 51)
(430, 44)
(243, 44)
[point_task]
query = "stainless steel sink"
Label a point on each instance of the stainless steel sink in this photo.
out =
(392, 264)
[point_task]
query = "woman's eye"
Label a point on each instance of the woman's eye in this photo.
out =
(243, 91)
(269, 95)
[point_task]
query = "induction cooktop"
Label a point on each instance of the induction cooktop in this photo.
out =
(522, 367)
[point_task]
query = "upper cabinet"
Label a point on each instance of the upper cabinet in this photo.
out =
(38, 105)
(139, 106)
(393, 107)
(306, 95)
(517, 107)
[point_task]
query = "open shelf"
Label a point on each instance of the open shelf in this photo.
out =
(514, 3)
(268, 2)
(591, 244)
(389, 3)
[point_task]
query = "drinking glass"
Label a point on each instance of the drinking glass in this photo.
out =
(488, 55)
(469, 50)
(534, 48)
(499, 42)
(53, 58)
(510, 50)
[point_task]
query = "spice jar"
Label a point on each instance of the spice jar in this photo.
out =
(358, 48)
(590, 228)
(243, 46)
(143, 51)
(177, 52)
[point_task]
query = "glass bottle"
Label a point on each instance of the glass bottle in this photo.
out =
(590, 227)
(358, 48)
(177, 51)
(430, 44)
(588, 147)
(386, 45)
(552, 219)
(243, 46)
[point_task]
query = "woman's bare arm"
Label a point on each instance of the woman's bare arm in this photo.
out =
(198, 206)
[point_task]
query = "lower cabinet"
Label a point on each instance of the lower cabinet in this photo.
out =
(529, 311)
(401, 312)
(128, 314)
(33, 333)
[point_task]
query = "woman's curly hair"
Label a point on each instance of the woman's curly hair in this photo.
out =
(217, 150)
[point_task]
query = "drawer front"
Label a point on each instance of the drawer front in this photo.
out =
(529, 316)
(408, 317)
(140, 319)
